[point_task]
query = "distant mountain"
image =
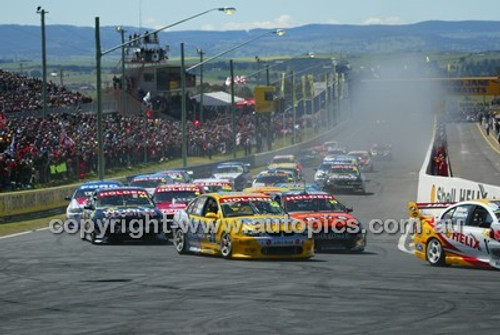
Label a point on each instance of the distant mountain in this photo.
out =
(63, 41)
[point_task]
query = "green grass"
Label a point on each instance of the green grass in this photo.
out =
(22, 226)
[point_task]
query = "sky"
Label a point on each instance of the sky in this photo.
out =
(250, 13)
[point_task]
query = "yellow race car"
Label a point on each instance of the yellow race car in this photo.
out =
(466, 233)
(286, 163)
(238, 225)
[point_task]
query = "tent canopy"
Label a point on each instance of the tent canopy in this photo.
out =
(217, 99)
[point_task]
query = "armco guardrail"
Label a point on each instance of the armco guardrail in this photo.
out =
(450, 189)
(41, 200)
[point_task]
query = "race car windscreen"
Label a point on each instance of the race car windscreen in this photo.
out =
(274, 179)
(343, 170)
(229, 169)
(282, 160)
(179, 196)
(314, 205)
(176, 176)
(146, 183)
(83, 193)
(125, 200)
(360, 155)
(251, 208)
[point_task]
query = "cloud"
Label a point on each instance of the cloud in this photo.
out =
(207, 27)
(282, 21)
(151, 22)
(332, 21)
(388, 20)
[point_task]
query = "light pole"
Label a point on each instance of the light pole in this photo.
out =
(294, 110)
(201, 53)
(122, 32)
(99, 54)
(183, 108)
(233, 109)
(277, 32)
(42, 13)
(257, 59)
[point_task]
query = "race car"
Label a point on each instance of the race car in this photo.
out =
(345, 177)
(118, 213)
(236, 172)
(240, 226)
(150, 181)
(321, 174)
(364, 158)
(178, 176)
(341, 159)
(308, 157)
(173, 197)
(466, 233)
(264, 190)
(334, 227)
(381, 151)
(305, 187)
(336, 151)
(330, 145)
(212, 185)
(286, 162)
(272, 178)
(81, 196)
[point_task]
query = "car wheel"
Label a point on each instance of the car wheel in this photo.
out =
(226, 245)
(180, 242)
(435, 253)
(93, 237)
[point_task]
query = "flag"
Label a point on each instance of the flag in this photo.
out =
(66, 141)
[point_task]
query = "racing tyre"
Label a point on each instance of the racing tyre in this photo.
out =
(226, 245)
(93, 237)
(180, 242)
(435, 253)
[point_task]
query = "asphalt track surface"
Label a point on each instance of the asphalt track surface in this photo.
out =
(472, 157)
(58, 284)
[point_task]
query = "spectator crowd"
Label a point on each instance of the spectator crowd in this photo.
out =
(20, 93)
(63, 146)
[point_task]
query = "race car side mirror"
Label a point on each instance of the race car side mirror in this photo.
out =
(67, 198)
(349, 209)
(211, 215)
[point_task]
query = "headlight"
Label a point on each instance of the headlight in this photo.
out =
(75, 210)
(254, 233)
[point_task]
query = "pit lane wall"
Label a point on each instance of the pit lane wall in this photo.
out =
(449, 189)
(41, 200)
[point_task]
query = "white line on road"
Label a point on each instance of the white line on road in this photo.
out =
(23, 233)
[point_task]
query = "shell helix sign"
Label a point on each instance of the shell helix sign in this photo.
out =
(264, 99)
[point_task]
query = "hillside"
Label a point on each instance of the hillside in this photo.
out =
(23, 42)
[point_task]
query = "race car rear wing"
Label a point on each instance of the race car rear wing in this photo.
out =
(423, 209)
